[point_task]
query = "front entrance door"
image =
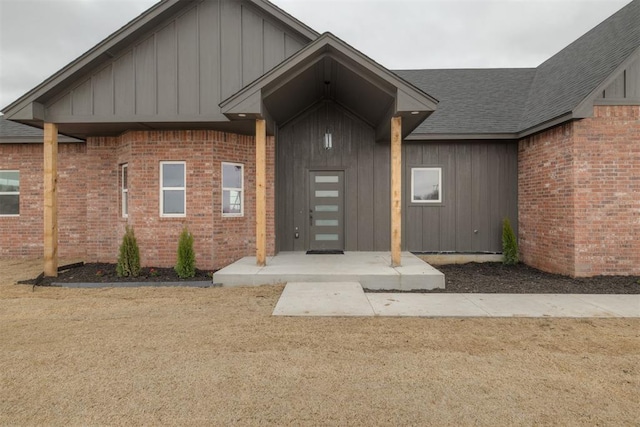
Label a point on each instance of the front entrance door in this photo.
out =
(326, 210)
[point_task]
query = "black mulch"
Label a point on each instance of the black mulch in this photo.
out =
(495, 277)
(106, 273)
(459, 278)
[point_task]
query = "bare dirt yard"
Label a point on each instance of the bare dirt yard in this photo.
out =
(216, 356)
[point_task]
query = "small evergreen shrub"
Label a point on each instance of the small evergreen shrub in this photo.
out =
(129, 256)
(509, 244)
(186, 263)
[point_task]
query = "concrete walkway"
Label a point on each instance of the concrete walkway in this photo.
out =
(348, 299)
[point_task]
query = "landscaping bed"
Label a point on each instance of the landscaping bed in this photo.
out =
(106, 273)
(493, 277)
(488, 277)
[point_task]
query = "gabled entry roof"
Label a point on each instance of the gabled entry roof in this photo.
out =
(329, 68)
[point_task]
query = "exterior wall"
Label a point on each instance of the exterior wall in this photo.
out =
(578, 195)
(90, 220)
(22, 236)
(479, 178)
(479, 190)
(545, 200)
(366, 170)
(607, 192)
(218, 241)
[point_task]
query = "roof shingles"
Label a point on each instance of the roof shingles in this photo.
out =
(503, 101)
(568, 77)
(473, 101)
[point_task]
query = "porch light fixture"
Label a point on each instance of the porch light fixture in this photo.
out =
(415, 113)
(242, 115)
(328, 140)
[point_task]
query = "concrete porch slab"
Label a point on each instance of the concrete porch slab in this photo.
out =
(323, 299)
(371, 269)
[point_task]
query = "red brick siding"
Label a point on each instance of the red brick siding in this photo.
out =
(579, 195)
(218, 241)
(607, 195)
(91, 223)
(102, 199)
(23, 236)
(545, 200)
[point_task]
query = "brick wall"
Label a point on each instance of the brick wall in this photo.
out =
(607, 195)
(22, 236)
(218, 240)
(91, 223)
(545, 200)
(579, 195)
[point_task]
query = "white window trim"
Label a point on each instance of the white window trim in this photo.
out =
(413, 170)
(11, 193)
(124, 191)
(241, 189)
(162, 214)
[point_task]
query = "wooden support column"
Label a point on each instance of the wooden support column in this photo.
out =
(261, 192)
(51, 199)
(396, 190)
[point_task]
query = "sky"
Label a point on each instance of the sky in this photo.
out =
(39, 37)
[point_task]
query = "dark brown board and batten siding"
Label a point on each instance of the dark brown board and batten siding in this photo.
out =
(366, 170)
(479, 178)
(183, 68)
(626, 85)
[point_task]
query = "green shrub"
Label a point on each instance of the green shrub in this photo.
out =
(509, 244)
(186, 263)
(129, 256)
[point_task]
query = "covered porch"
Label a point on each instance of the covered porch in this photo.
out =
(372, 270)
(339, 119)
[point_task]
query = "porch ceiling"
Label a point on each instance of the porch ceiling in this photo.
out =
(327, 78)
(330, 69)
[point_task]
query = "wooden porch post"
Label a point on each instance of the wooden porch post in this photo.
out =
(50, 199)
(261, 192)
(396, 190)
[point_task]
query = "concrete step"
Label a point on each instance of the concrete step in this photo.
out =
(371, 269)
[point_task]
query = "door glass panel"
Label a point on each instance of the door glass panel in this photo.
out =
(326, 237)
(327, 222)
(326, 193)
(326, 179)
(326, 208)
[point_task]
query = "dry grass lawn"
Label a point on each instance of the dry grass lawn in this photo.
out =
(217, 357)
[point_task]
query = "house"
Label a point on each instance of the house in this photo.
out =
(261, 135)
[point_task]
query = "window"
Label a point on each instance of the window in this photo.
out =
(9, 193)
(426, 185)
(124, 187)
(232, 189)
(173, 189)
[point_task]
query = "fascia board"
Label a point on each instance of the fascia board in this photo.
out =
(299, 26)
